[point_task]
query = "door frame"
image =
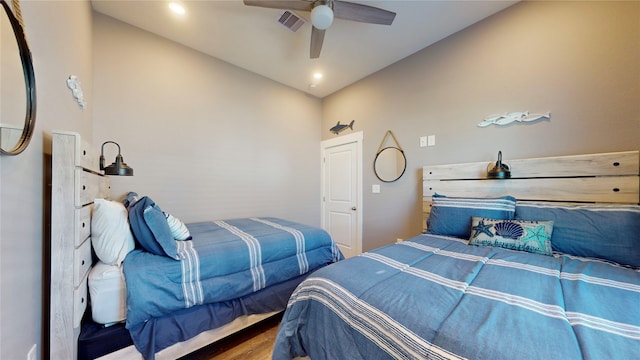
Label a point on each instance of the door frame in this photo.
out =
(356, 137)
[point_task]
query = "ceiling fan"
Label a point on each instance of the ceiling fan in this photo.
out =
(323, 12)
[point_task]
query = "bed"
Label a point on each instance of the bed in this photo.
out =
(130, 281)
(544, 265)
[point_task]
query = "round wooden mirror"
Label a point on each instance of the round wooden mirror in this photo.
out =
(389, 164)
(18, 86)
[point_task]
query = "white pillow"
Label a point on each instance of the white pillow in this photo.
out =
(179, 230)
(108, 292)
(110, 233)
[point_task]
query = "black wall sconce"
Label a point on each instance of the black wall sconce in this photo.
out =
(500, 170)
(119, 167)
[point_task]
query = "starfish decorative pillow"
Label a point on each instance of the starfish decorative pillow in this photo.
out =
(521, 235)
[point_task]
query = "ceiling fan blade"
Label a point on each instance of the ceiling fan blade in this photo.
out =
(363, 13)
(317, 38)
(302, 5)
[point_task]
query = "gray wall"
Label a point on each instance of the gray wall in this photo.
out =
(207, 140)
(578, 60)
(59, 34)
(256, 143)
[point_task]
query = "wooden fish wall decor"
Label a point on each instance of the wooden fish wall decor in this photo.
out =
(508, 118)
(338, 128)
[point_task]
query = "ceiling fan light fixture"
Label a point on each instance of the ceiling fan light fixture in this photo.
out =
(321, 17)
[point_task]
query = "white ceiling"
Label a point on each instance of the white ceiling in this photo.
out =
(251, 38)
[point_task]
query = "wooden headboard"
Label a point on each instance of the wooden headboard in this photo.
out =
(593, 178)
(75, 182)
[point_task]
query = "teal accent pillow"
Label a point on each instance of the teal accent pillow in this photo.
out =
(451, 216)
(522, 235)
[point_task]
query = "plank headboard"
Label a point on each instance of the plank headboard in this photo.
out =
(593, 178)
(75, 182)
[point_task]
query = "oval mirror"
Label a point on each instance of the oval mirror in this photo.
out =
(389, 164)
(17, 87)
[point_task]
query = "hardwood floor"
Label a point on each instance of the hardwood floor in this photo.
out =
(255, 343)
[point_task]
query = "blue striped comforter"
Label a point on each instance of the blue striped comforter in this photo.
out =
(437, 297)
(224, 260)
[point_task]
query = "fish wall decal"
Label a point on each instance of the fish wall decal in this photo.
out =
(338, 128)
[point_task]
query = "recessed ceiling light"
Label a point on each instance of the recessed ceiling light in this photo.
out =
(317, 75)
(177, 8)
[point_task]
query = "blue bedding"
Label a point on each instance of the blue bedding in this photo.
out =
(223, 261)
(157, 334)
(438, 297)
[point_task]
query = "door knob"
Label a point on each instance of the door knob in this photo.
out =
(353, 208)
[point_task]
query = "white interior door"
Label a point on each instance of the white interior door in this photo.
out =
(341, 192)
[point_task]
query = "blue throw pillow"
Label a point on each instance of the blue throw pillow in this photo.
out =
(605, 232)
(149, 226)
(130, 199)
(451, 216)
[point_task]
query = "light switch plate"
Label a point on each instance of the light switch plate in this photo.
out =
(423, 141)
(431, 140)
(375, 188)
